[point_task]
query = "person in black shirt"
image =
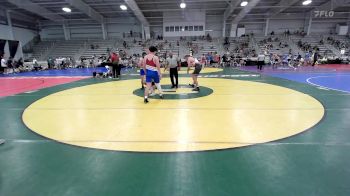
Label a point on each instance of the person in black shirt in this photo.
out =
(315, 58)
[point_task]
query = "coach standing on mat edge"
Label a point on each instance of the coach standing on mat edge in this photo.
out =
(115, 65)
(173, 63)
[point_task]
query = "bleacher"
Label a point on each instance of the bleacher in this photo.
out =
(236, 45)
(345, 44)
(206, 47)
(101, 50)
(40, 49)
(276, 48)
(314, 41)
(65, 48)
(168, 47)
(74, 48)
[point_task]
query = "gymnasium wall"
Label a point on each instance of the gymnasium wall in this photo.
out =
(20, 34)
(257, 29)
(280, 26)
(212, 25)
(323, 27)
(90, 29)
(158, 30)
(192, 18)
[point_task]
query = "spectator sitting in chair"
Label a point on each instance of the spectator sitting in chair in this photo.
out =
(36, 66)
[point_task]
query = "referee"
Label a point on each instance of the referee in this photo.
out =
(173, 64)
(261, 61)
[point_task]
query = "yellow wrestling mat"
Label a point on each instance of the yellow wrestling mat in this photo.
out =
(109, 116)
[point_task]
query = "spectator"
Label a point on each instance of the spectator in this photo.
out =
(3, 64)
(36, 66)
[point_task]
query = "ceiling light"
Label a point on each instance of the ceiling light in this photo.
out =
(244, 3)
(123, 7)
(183, 5)
(307, 2)
(67, 9)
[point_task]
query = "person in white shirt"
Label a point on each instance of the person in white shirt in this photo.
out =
(36, 66)
(261, 61)
(3, 64)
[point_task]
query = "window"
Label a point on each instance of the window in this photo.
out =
(186, 28)
(177, 29)
(195, 28)
(171, 29)
(190, 28)
(201, 28)
(167, 29)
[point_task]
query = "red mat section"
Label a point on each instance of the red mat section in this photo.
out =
(16, 85)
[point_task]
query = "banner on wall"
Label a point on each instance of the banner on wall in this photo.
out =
(11, 48)
(2, 46)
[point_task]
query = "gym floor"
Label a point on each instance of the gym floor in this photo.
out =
(247, 132)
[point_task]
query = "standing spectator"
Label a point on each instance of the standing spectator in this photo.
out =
(316, 55)
(50, 63)
(10, 65)
(209, 58)
(3, 64)
(203, 60)
(20, 64)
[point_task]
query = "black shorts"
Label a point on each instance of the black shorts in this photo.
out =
(197, 69)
